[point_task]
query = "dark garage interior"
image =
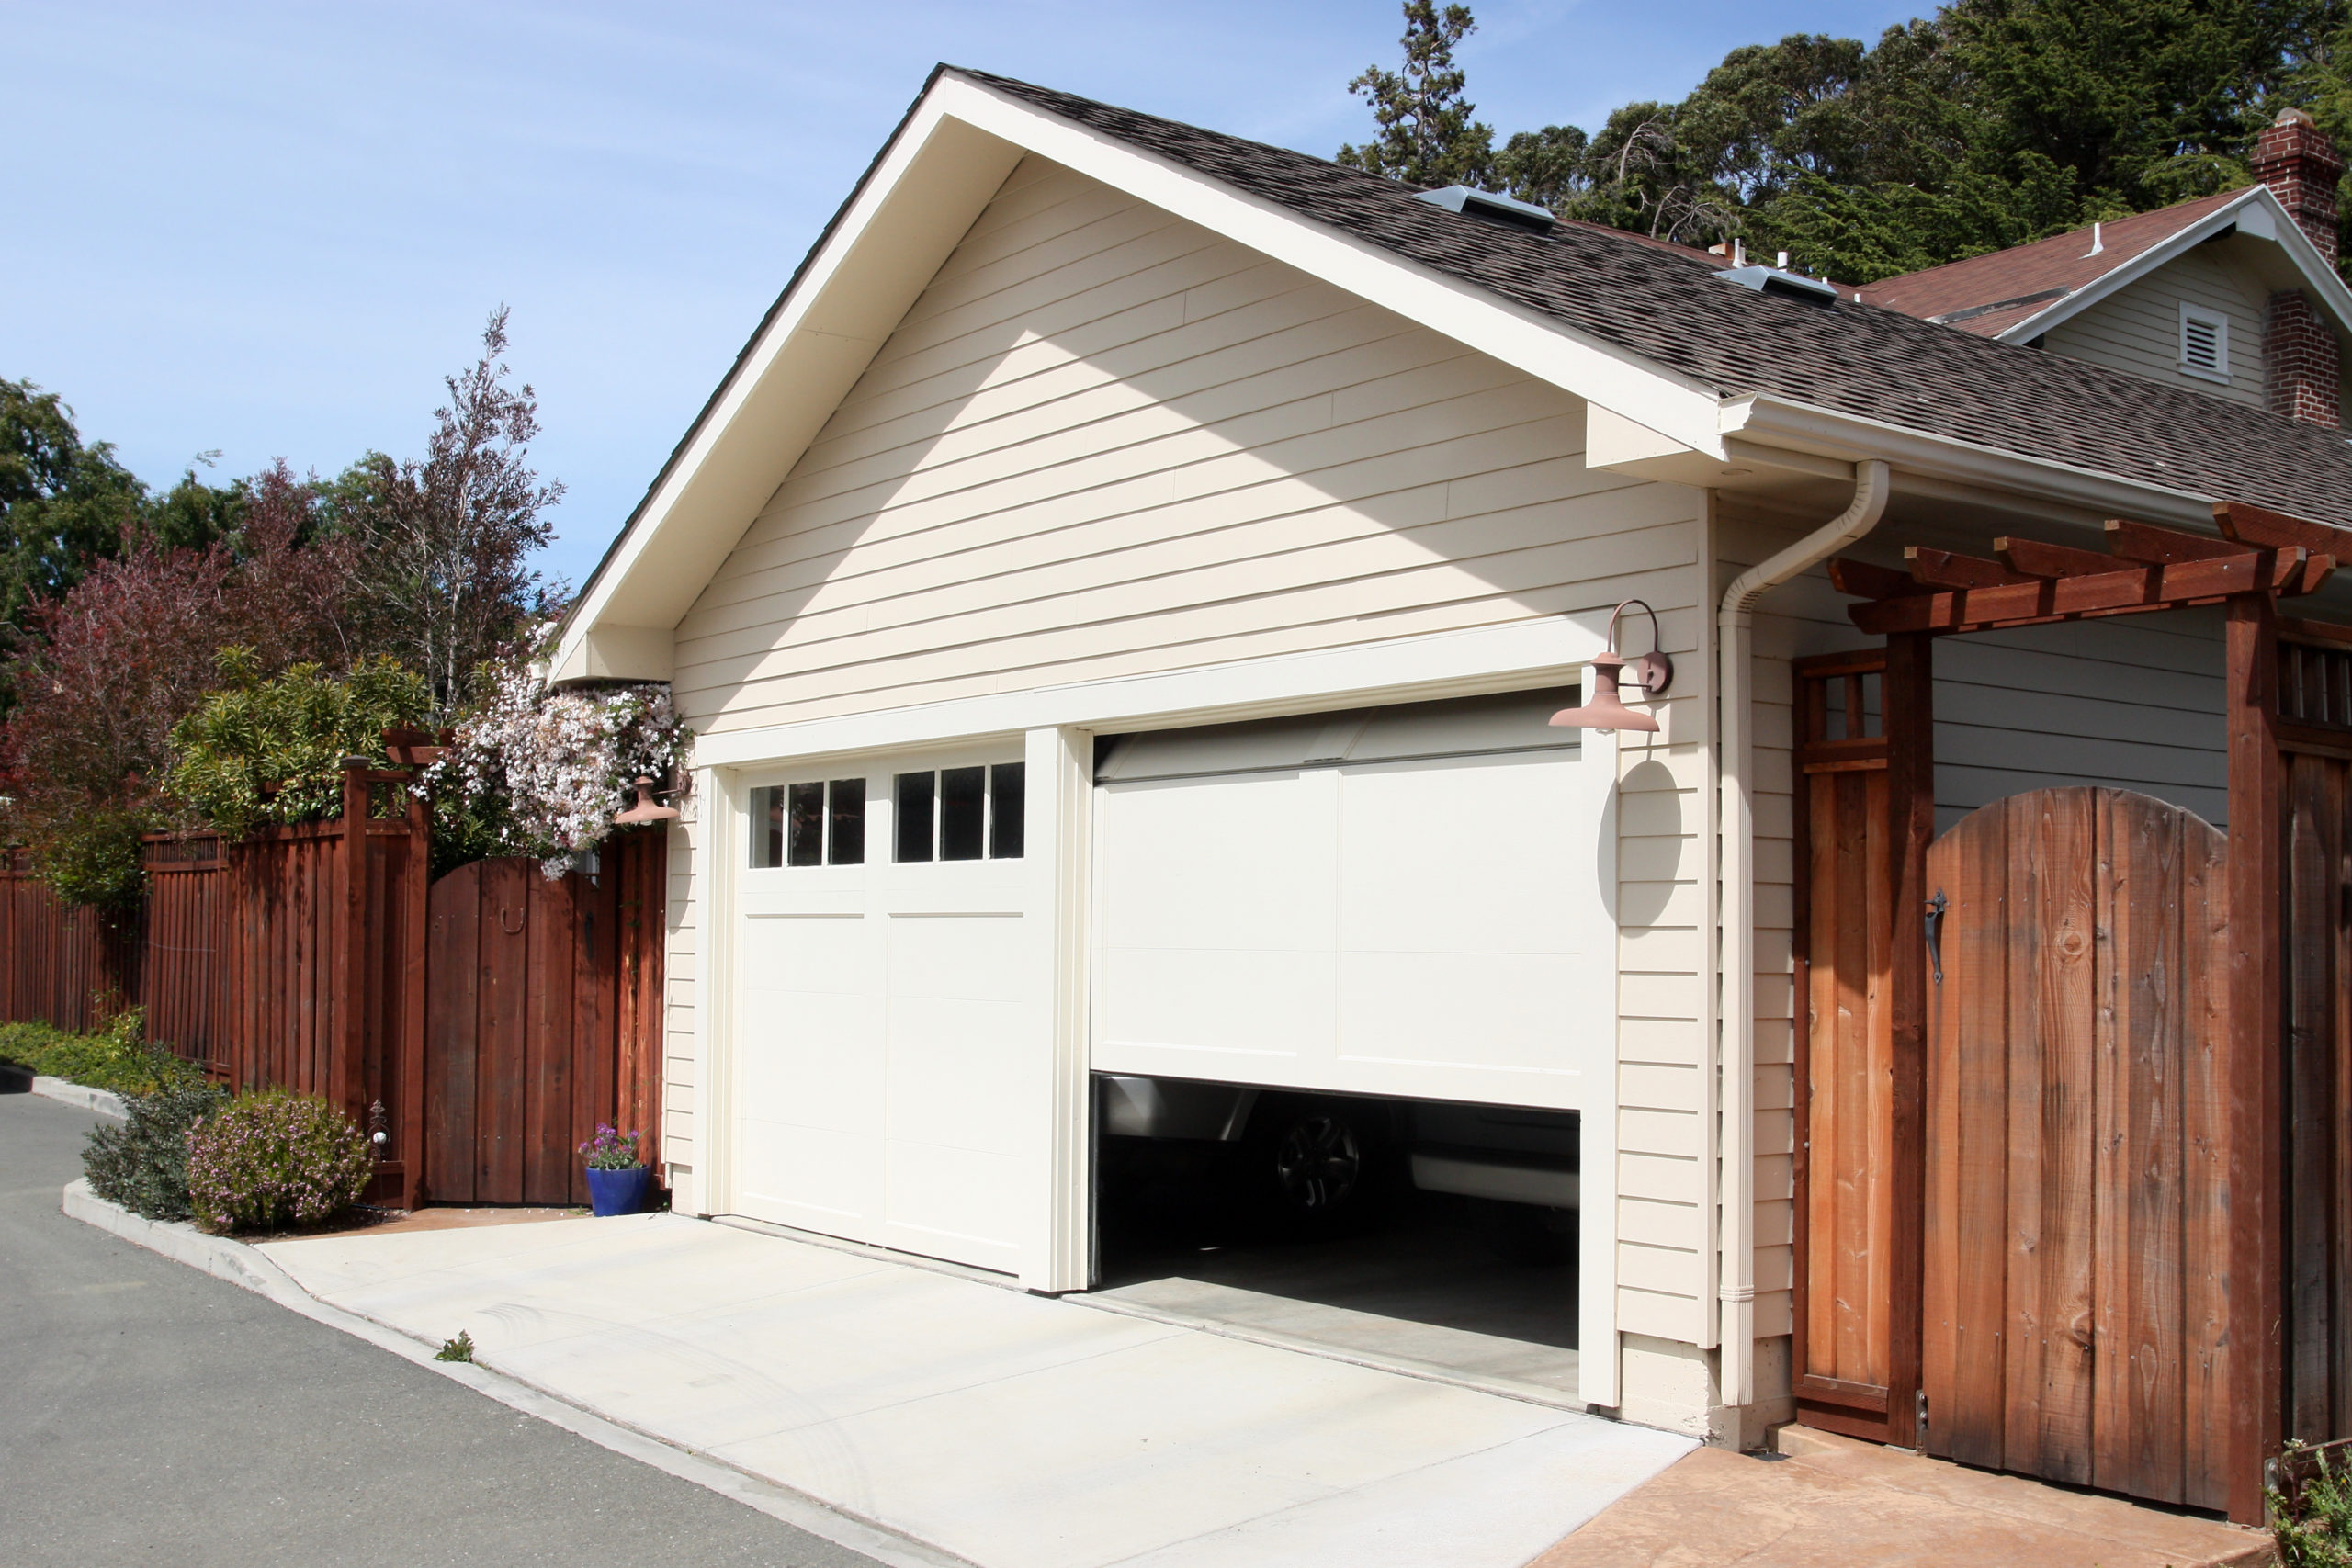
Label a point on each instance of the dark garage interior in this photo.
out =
(1434, 1238)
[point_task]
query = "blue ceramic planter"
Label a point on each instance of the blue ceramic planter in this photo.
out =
(620, 1192)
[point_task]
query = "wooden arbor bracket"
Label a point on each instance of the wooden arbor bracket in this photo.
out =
(2145, 568)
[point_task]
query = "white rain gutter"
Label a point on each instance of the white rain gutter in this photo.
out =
(1736, 831)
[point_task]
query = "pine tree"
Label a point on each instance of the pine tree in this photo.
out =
(1427, 134)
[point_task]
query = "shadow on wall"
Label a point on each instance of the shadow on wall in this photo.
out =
(1104, 438)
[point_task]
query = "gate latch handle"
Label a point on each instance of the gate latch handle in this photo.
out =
(1936, 933)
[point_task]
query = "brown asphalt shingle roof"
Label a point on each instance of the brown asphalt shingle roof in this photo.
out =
(2036, 275)
(1664, 305)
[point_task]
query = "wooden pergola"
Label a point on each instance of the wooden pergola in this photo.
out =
(2275, 1240)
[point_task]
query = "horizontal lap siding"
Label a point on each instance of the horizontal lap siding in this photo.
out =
(2139, 329)
(1105, 443)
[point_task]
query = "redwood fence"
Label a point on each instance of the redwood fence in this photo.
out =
(301, 958)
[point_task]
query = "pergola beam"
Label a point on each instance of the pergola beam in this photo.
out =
(2147, 568)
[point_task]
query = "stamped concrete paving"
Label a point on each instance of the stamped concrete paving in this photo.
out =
(1016, 1430)
(1827, 1500)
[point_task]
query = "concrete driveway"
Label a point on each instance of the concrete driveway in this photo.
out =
(1013, 1430)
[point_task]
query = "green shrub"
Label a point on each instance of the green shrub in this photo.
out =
(142, 1163)
(2313, 1522)
(113, 1057)
(274, 1161)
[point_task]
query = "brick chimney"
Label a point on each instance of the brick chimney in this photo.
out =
(2301, 165)
(2299, 358)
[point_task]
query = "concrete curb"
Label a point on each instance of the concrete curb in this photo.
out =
(105, 1102)
(250, 1269)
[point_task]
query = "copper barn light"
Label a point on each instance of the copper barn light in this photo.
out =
(1652, 671)
(645, 810)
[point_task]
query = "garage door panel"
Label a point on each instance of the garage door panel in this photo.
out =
(801, 1175)
(971, 956)
(948, 1082)
(801, 953)
(1219, 863)
(815, 1061)
(1274, 1003)
(953, 1203)
(1482, 1009)
(1460, 856)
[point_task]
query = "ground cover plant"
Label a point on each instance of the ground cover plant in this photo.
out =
(114, 1057)
(274, 1161)
(2312, 1520)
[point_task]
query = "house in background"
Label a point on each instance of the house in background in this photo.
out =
(1118, 592)
(2235, 294)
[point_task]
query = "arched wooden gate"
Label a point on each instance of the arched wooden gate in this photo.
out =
(542, 1019)
(2075, 1322)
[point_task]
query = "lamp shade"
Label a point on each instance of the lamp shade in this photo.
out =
(1604, 711)
(646, 809)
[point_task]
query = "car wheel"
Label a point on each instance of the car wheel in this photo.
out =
(1315, 1159)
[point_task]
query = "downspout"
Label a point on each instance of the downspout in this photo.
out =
(1736, 831)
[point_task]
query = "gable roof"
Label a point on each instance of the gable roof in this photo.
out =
(2018, 294)
(1644, 330)
(1860, 359)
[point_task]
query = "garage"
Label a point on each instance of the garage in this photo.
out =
(1348, 971)
(886, 1014)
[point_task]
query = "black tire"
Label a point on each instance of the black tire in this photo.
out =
(1315, 1163)
(1531, 1237)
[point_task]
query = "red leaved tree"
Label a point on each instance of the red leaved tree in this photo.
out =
(115, 662)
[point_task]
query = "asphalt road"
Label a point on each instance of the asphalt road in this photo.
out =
(150, 1414)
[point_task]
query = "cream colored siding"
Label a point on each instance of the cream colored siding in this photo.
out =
(2138, 329)
(2134, 702)
(1106, 443)
(1663, 1182)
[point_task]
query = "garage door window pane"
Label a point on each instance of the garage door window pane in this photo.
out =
(804, 831)
(911, 806)
(1007, 785)
(767, 828)
(848, 846)
(963, 812)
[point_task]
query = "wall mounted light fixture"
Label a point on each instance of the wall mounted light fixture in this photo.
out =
(1652, 671)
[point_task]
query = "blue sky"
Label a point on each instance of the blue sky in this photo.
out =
(268, 230)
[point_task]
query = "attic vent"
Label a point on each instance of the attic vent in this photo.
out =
(1787, 285)
(2204, 342)
(1509, 211)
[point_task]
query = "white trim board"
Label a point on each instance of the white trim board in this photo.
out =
(1440, 664)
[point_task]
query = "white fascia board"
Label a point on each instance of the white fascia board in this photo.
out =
(922, 196)
(1675, 406)
(1440, 664)
(2258, 212)
(1942, 460)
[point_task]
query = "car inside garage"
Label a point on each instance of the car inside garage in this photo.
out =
(1349, 970)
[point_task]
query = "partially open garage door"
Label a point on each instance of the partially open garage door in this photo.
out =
(886, 1062)
(1395, 901)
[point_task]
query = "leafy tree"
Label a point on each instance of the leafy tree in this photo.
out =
(1427, 134)
(442, 575)
(63, 502)
(271, 750)
(114, 662)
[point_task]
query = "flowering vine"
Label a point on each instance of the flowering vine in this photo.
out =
(552, 767)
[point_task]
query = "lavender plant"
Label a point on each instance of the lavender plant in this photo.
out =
(611, 1150)
(274, 1161)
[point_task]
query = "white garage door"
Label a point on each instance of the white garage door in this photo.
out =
(1404, 900)
(887, 1036)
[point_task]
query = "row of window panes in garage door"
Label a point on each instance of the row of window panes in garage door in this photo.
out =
(942, 814)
